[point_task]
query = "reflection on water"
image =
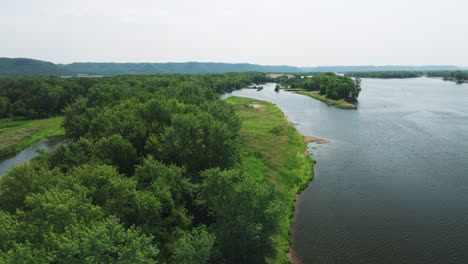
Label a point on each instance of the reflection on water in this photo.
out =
(392, 187)
(28, 153)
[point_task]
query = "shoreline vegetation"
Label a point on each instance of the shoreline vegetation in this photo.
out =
(274, 151)
(15, 135)
(342, 104)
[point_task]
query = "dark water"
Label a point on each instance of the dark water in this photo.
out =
(392, 187)
(28, 153)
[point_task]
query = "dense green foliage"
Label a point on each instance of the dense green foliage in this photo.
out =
(386, 74)
(152, 173)
(331, 85)
(33, 97)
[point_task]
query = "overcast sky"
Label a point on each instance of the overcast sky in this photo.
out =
(293, 32)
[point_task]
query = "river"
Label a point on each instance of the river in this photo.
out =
(28, 153)
(392, 187)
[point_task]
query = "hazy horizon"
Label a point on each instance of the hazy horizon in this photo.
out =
(227, 62)
(294, 33)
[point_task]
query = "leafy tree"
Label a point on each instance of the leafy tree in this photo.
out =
(117, 151)
(23, 180)
(104, 242)
(194, 247)
(55, 210)
(105, 187)
(198, 141)
(7, 231)
(5, 107)
(246, 213)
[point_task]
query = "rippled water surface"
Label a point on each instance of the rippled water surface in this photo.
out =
(392, 187)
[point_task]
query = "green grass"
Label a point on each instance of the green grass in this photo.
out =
(336, 103)
(16, 135)
(274, 151)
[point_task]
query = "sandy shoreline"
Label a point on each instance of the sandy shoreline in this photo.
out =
(308, 139)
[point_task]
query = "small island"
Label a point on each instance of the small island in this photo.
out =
(333, 89)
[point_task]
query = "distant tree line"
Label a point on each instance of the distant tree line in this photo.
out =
(386, 74)
(457, 76)
(151, 173)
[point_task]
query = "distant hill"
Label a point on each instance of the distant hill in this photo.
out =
(378, 68)
(93, 68)
(26, 67)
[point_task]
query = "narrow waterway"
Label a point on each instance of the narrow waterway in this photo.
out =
(28, 153)
(392, 187)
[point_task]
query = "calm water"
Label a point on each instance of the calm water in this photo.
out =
(28, 153)
(392, 187)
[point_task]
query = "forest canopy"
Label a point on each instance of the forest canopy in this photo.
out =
(151, 173)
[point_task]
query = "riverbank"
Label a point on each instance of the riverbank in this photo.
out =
(342, 104)
(274, 151)
(16, 135)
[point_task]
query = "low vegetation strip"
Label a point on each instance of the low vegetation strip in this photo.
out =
(272, 150)
(337, 103)
(16, 135)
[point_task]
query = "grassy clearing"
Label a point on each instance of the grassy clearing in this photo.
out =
(274, 151)
(16, 135)
(336, 103)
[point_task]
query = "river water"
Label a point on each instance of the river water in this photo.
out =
(28, 153)
(392, 187)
